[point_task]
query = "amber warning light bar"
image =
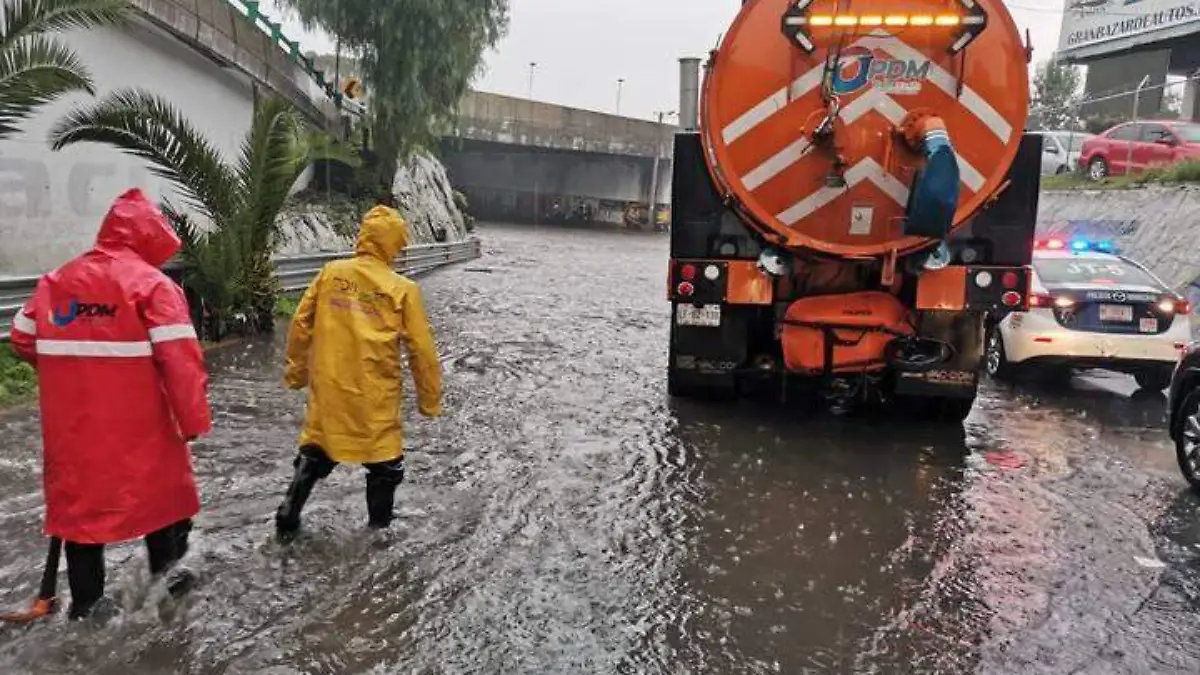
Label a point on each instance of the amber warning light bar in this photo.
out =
(798, 23)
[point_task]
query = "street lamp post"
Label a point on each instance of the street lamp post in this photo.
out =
(620, 83)
(1137, 96)
(654, 174)
(532, 66)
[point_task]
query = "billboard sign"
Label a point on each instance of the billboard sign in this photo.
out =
(1096, 24)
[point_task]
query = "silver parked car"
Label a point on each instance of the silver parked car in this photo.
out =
(1060, 149)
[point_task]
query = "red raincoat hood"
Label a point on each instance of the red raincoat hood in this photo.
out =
(136, 224)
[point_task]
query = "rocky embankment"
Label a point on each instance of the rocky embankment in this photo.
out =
(1156, 225)
(317, 222)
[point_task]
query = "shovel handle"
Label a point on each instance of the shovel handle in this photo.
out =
(49, 586)
(45, 603)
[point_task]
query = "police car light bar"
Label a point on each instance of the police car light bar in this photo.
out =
(1078, 245)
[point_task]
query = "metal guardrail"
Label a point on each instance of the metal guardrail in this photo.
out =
(295, 273)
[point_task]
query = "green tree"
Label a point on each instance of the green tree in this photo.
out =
(228, 261)
(417, 58)
(1055, 90)
(35, 68)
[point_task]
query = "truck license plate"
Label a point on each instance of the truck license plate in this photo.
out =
(691, 315)
(1116, 313)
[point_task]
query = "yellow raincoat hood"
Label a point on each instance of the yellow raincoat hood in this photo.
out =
(345, 346)
(382, 235)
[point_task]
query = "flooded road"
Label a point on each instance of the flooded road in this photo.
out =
(567, 517)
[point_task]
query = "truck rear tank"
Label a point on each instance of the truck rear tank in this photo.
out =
(854, 201)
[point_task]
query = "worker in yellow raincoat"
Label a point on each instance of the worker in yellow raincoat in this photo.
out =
(344, 345)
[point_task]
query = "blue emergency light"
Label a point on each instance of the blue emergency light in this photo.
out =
(1076, 245)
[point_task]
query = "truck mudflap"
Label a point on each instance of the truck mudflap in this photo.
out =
(708, 347)
(956, 377)
(939, 383)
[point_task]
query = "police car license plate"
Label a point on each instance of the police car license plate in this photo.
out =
(691, 315)
(1116, 313)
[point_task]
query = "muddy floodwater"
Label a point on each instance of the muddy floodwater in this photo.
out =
(566, 516)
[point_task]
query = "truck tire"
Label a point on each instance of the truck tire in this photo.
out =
(677, 389)
(938, 409)
(1187, 445)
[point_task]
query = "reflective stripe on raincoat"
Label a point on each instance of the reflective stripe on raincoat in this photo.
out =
(344, 345)
(122, 382)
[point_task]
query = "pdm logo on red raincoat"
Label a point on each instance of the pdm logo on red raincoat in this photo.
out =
(122, 382)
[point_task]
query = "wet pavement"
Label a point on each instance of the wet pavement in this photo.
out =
(567, 517)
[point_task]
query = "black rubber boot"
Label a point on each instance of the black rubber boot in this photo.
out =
(308, 472)
(166, 549)
(381, 497)
(382, 480)
(99, 612)
(85, 574)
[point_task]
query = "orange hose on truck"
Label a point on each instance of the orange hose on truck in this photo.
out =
(854, 200)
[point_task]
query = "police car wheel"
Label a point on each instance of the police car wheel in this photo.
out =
(995, 360)
(1154, 379)
(1187, 444)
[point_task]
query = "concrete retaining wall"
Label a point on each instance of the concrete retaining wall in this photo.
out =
(514, 121)
(1158, 226)
(51, 202)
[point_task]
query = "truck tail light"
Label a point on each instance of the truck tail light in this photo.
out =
(1011, 299)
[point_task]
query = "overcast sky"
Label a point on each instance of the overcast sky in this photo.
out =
(582, 47)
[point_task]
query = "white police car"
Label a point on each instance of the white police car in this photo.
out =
(1092, 308)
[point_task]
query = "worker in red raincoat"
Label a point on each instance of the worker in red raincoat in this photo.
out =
(122, 390)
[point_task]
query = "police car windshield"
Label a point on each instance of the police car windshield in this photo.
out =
(1084, 270)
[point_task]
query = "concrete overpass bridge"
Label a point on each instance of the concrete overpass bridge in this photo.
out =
(212, 58)
(528, 161)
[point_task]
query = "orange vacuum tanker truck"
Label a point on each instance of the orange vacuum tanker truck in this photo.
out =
(854, 201)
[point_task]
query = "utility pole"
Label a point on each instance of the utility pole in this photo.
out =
(654, 174)
(620, 83)
(532, 66)
(1137, 97)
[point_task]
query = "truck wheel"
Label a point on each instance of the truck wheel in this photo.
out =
(995, 359)
(938, 409)
(1153, 379)
(1187, 445)
(957, 409)
(676, 389)
(1098, 169)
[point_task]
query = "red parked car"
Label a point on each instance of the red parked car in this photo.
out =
(1139, 145)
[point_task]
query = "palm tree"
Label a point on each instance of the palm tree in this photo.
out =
(228, 260)
(36, 69)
